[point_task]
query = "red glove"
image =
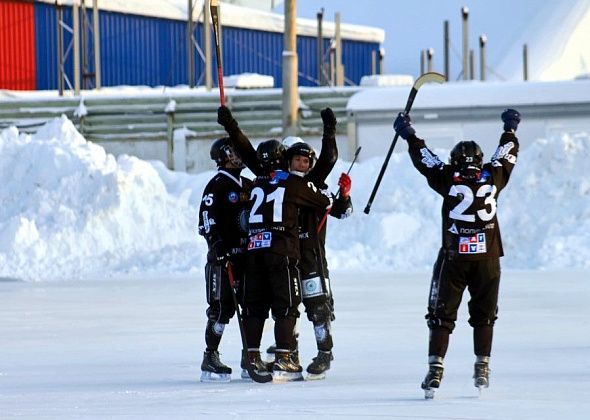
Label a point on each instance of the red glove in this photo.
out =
(345, 183)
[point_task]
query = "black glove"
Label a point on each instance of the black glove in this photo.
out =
(329, 119)
(403, 126)
(225, 118)
(511, 118)
(217, 254)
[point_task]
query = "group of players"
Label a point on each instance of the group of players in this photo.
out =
(269, 233)
(269, 230)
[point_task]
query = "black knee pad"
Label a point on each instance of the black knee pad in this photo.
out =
(319, 312)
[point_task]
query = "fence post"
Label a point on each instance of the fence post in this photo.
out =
(170, 110)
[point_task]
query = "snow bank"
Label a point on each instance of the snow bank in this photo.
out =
(71, 211)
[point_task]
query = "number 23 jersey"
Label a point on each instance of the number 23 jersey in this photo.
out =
(470, 228)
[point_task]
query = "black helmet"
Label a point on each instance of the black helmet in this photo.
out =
(223, 152)
(271, 155)
(302, 149)
(467, 158)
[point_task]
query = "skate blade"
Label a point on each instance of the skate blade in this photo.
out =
(429, 393)
(315, 376)
(215, 377)
(281, 376)
(246, 375)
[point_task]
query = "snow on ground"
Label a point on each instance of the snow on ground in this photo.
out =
(113, 349)
(127, 341)
(71, 211)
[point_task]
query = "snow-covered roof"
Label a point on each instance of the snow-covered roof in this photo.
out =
(473, 94)
(234, 16)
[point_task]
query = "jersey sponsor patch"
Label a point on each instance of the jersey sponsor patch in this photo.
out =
(475, 244)
(312, 287)
(260, 240)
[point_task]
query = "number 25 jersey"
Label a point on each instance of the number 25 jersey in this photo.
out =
(470, 228)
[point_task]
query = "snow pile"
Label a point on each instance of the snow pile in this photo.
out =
(544, 212)
(249, 81)
(69, 210)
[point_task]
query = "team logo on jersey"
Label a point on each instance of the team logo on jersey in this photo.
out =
(475, 244)
(483, 176)
(277, 176)
(260, 240)
(233, 197)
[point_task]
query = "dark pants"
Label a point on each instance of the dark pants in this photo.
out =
(450, 278)
(271, 284)
(219, 297)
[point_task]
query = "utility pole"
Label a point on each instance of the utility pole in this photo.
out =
(207, 42)
(320, 48)
(76, 36)
(446, 49)
(96, 36)
(290, 65)
(429, 56)
(339, 68)
(465, 16)
(189, 45)
(482, 56)
(525, 62)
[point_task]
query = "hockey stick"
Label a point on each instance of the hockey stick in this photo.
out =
(256, 377)
(214, 7)
(430, 77)
(321, 225)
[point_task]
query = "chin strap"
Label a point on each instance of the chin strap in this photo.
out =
(298, 173)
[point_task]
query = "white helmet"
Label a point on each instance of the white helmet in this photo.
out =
(291, 140)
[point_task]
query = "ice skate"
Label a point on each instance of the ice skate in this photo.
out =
(320, 364)
(260, 366)
(432, 380)
(273, 347)
(286, 368)
(212, 369)
(481, 374)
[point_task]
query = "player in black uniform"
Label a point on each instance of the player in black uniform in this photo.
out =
(223, 223)
(471, 244)
(317, 293)
(272, 278)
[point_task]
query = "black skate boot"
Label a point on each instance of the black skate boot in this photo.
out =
(481, 372)
(320, 364)
(433, 377)
(272, 349)
(255, 360)
(285, 368)
(212, 370)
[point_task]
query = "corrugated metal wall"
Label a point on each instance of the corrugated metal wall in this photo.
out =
(246, 50)
(135, 50)
(141, 50)
(17, 45)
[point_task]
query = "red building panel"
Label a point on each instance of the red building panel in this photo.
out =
(17, 45)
